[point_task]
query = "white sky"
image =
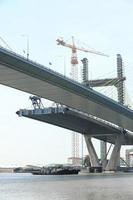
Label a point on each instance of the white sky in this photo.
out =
(102, 24)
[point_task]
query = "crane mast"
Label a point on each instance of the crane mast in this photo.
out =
(74, 58)
(74, 75)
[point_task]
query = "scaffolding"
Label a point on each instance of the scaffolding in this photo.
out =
(118, 82)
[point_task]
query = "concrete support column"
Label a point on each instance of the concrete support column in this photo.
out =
(115, 156)
(92, 153)
(103, 153)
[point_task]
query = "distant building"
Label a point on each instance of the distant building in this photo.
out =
(129, 157)
(75, 161)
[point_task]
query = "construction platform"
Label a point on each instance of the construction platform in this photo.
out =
(79, 122)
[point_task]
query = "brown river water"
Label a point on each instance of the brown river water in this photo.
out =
(66, 187)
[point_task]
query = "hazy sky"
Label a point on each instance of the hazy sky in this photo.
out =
(102, 24)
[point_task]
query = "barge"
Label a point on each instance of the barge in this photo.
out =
(56, 170)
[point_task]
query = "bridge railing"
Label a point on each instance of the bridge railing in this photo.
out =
(37, 64)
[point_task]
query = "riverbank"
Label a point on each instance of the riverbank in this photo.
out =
(6, 170)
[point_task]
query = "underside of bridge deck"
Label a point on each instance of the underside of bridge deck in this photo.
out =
(79, 122)
(28, 76)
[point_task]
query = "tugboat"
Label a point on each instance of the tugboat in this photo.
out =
(57, 169)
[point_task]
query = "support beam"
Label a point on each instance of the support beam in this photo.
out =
(103, 153)
(105, 82)
(92, 153)
(85, 71)
(103, 148)
(115, 156)
(120, 85)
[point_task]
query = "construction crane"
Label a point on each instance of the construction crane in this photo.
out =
(74, 73)
(74, 48)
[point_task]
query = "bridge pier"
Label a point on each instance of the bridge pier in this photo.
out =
(113, 162)
(92, 153)
(115, 156)
(103, 153)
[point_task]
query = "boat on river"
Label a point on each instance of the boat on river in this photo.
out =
(57, 169)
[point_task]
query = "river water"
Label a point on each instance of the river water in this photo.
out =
(70, 187)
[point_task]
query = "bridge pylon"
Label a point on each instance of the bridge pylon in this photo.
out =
(113, 162)
(118, 82)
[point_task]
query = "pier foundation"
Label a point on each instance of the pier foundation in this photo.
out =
(114, 159)
(92, 153)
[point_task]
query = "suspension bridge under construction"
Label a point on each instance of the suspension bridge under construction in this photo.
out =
(82, 109)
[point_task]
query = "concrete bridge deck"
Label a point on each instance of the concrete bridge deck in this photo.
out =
(79, 122)
(26, 75)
